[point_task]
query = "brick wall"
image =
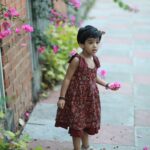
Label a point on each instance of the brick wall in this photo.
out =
(17, 67)
(60, 6)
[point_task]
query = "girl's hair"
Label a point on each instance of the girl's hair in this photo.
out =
(88, 32)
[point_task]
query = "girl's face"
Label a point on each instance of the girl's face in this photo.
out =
(90, 46)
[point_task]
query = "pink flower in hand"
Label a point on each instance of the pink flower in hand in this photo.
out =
(114, 85)
(73, 52)
(55, 49)
(41, 49)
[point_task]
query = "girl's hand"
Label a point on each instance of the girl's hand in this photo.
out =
(114, 86)
(61, 103)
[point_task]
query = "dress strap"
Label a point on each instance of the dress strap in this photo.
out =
(97, 62)
(72, 57)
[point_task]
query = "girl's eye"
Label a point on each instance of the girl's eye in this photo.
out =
(90, 42)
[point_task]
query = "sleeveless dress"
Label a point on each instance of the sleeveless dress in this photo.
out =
(82, 109)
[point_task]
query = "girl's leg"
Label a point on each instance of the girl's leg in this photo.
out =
(76, 143)
(85, 140)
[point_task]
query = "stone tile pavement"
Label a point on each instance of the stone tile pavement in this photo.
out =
(125, 54)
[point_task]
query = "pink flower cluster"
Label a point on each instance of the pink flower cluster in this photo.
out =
(11, 12)
(76, 3)
(6, 25)
(55, 49)
(73, 52)
(73, 20)
(114, 85)
(27, 28)
(5, 33)
(41, 49)
(57, 17)
(7, 29)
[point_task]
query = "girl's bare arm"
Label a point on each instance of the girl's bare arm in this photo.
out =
(70, 71)
(100, 81)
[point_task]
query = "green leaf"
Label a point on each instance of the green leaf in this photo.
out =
(9, 134)
(1, 115)
(38, 148)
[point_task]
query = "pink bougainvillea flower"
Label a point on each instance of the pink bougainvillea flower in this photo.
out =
(54, 12)
(5, 33)
(73, 19)
(11, 12)
(55, 49)
(14, 12)
(73, 52)
(1, 36)
(114, 85)
(76, 3)
(27, 28)
(7, 14)
(23, 44)
(6, 25)
(41, 49)
(17, 30)
(145, 148)
(102, 72)
(26, 115)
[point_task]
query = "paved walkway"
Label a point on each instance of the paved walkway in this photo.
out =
(125, 54)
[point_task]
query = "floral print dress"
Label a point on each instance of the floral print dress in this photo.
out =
(82, 108)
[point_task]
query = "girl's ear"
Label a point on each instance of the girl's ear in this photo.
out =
(81, 45)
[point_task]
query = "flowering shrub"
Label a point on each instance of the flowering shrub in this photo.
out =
(8, 15)
(54, 58)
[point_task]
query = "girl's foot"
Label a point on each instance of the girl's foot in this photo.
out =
(87, 148)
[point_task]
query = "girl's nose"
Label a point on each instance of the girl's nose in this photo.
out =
(95, 44)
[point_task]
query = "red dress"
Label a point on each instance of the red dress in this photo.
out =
(82, 108)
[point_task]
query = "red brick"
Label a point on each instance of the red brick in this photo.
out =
(7, 83)
(17, 65)
(10, 91)
(4, 60)
(7, 68)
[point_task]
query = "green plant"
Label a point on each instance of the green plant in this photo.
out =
(62, 41)
(8, 139)
(11, 141)
(125, 6)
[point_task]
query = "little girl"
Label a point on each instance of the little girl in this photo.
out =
(79, 102)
